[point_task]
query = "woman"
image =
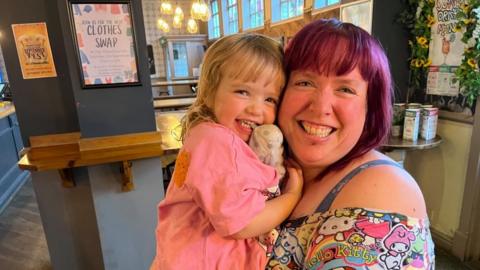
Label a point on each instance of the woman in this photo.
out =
(359, 209)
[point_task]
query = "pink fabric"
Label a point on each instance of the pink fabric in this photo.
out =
(221, 194)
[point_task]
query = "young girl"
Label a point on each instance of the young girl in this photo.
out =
(215, 203)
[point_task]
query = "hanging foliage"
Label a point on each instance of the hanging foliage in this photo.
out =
(468, 72)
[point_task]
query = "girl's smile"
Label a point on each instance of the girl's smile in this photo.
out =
(241, 105)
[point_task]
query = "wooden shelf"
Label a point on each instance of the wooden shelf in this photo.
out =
(69, 150)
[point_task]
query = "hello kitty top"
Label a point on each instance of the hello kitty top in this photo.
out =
(353, 238)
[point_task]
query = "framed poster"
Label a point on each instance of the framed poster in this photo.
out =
(105, 43)
(358, 13)
(34, 51)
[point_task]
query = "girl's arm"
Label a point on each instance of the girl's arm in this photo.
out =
(277, 209)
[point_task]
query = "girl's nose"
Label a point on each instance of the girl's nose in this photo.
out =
(255, 108)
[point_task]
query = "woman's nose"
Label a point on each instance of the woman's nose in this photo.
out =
(321, 102)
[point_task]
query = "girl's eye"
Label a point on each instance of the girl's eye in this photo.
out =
(272, 100)
(347, 90)
(242, 92)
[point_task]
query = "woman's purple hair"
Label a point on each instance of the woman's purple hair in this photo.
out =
(331, 47)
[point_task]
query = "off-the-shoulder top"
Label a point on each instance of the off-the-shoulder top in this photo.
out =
(353, 238)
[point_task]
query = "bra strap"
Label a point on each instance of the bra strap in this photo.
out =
(328, 200)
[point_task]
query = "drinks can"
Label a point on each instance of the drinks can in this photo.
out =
(414, 105)
(411, 124)
(429, 121)
(398, 118)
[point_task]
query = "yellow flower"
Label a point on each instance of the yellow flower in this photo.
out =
(421, 40)
(431, 20)
(427, 63)
(458, 28)
(465, 7)
(471, 62)
(416, 63)
(467, 21)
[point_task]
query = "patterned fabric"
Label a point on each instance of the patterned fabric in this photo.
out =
(354, 238)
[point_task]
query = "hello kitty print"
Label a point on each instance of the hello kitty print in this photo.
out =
(354, 238)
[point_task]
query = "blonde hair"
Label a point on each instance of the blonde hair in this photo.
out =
(251, 53)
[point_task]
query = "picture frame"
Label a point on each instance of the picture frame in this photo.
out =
(104, 39)
(358, 13)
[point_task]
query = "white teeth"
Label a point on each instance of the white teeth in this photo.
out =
(248, 124)
(319, 131)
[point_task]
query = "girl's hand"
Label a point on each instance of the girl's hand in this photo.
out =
(294, 182)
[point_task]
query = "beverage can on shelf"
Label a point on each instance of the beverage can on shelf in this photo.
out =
(411, 124)
(414, 105)
(398, 118)
(429, 123)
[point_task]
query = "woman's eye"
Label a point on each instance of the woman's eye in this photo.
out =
(303, 83)
(347, 90)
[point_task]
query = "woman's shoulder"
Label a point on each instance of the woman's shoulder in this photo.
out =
(386, 187)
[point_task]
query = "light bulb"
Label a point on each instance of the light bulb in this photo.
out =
(177, 22)
(179, 12)
(166, 8)
(192, 26)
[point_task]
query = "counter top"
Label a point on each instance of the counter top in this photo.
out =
(420, 144)
(6, 108)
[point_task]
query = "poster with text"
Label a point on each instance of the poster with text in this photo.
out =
(446, 48)
(33, 49)
(106, 43)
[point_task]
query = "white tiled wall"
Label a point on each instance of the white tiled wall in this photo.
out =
(151, 13)
(3, 70)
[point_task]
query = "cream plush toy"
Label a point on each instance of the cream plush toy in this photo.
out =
(267, 142)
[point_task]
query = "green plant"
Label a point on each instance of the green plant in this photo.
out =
(418, 19)
(468, 72)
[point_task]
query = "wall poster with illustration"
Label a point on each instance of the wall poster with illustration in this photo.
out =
(105, 41)
(446, 52)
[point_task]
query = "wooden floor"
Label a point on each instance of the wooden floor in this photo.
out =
(23, 245)
(22, 241)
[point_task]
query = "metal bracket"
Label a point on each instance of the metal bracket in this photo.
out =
(67, 177)
(127, 178)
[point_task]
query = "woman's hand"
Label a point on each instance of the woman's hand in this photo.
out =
(277, 209)
(294, 182)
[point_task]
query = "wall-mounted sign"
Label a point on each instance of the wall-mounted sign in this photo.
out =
(446, 49)
(33, 49)
(105, 43)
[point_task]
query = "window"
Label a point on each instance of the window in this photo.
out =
(284, 9)
(230, 17)
(180, 60)
(324, 3)
(214, 23)
(252, 13)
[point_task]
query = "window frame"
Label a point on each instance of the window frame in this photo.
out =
(247, 15)
(226, 18)
(276, 6)
(219, 18)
